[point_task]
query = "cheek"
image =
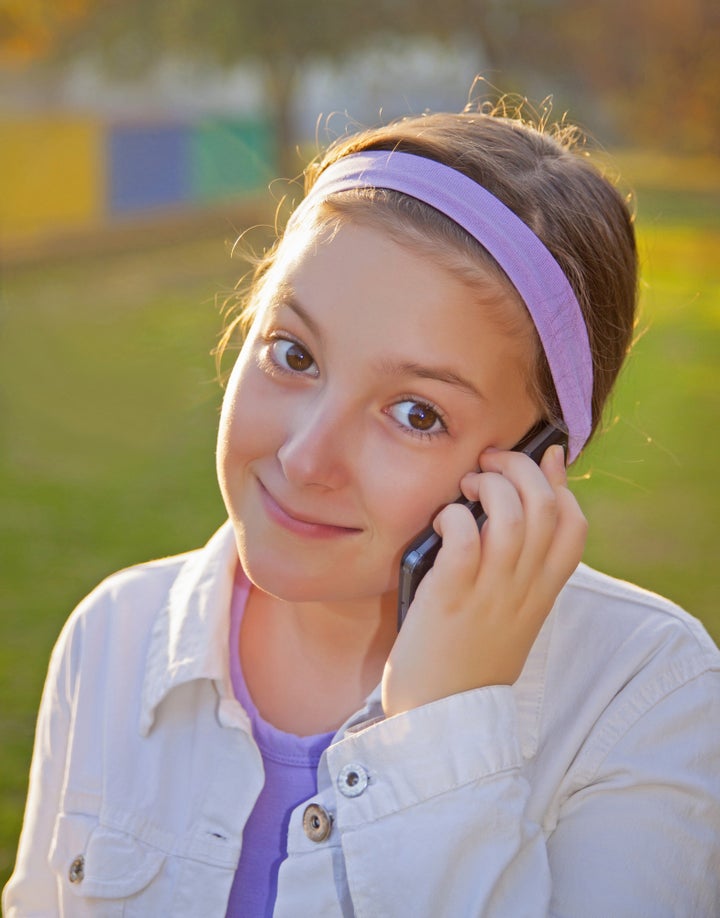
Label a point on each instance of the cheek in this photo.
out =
(245, 424)
(406, 499)
(403, 505)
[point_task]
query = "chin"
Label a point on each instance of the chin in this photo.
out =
(295, 583)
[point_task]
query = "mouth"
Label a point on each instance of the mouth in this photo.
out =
(299, 523)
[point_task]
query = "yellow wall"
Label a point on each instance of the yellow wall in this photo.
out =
(51, 176)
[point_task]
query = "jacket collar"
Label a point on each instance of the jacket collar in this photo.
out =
(190, 635)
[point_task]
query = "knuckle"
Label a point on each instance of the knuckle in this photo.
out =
(582, 524)
(514, 520)
(467, 538)
(547, 506)
(514, 524)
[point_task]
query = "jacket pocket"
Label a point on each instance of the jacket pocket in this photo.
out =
(99, 868)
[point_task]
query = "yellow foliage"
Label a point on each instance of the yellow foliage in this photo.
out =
(29, 28)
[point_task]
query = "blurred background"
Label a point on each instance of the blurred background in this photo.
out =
(139, 139)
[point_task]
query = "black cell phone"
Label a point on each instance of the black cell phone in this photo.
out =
(420, 554)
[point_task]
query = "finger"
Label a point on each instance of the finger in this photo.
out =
(457, 563)
(568, 545)
(503, 534)
(553, 466)
(514, 464)
(538, 500)
(571, 527)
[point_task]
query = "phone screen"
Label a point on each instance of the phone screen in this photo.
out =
(420, 554)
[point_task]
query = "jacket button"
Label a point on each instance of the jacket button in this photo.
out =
(352, 780)
(76, 873)
(317, 822)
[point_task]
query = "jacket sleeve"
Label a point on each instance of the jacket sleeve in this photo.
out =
(442, 826)
(639, 832)
(31, 890)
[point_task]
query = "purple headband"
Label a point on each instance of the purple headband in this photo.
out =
(533, 271)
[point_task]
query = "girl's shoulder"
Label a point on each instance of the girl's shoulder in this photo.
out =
(145, 577)
(150, 627)
(143, 589)
(157, 600)
(599, 602)
(609, 643)
(131, 593)
(621, 692)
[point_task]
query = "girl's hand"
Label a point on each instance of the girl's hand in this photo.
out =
(479, 609)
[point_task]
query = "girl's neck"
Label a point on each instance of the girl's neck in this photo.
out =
(309, 666)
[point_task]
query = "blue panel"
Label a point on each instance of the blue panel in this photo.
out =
(149, 167)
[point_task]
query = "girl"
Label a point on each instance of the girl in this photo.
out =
(242, 730)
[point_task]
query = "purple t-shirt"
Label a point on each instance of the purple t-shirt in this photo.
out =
(290, 777)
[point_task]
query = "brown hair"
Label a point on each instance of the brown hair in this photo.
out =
(542, 175)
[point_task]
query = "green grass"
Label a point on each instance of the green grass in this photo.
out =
(647, 483)
(109, 405)
(650, 490)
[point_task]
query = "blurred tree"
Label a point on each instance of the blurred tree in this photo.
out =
(652, 65)
(663, 65)
(29, 28)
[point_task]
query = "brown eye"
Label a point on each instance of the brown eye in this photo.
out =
(422, 417)
(293, 356)
(418, 417)
(297, 358)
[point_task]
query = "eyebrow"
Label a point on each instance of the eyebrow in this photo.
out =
(286, 298)
(441, 374)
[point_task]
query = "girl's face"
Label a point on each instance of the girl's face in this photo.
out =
(370, 382)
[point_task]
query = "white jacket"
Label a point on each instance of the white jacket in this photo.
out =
(589, 788)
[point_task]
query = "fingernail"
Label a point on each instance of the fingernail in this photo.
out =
(558, 456)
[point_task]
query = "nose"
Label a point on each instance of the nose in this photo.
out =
(318, 446)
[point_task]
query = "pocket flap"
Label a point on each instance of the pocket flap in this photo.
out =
(102, 862)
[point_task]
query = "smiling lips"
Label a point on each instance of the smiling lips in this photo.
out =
(297, 525)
